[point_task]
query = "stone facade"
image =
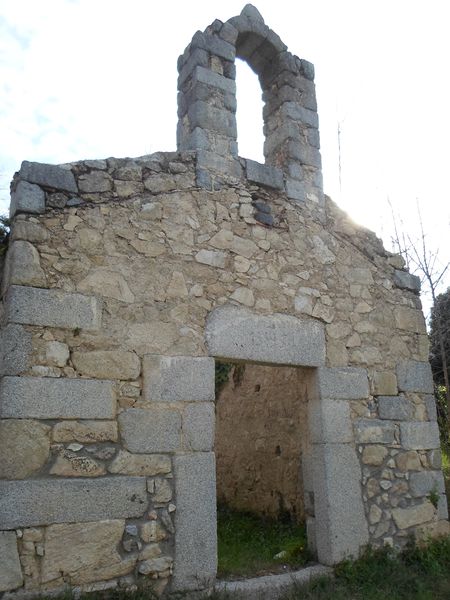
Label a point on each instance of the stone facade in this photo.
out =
(126, 278)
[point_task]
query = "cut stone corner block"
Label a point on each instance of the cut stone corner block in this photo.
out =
(340, 523)
(52, 308)
(195, 521)
(414, 376)
(10, 569)
(51, 176)
(27, 198)
(236, 333)
(178, 378)
(344, 383)
(15, 350)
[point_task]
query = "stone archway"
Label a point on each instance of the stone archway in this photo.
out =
(207, 107)
(337, 525)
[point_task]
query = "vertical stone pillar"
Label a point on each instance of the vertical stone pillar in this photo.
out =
(207, 103)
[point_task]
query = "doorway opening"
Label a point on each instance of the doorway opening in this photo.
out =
(264, 494)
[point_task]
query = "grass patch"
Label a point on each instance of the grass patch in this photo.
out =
(446, 470)
(247, 544)
(417, 573)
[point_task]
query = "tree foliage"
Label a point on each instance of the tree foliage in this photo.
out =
(4, 234)
(440, 319)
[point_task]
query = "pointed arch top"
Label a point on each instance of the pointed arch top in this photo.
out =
(207, 107)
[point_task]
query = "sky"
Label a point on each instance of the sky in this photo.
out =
(97, 78)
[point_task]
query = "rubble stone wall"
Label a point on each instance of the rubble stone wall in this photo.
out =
(124, 280)
(261, 429)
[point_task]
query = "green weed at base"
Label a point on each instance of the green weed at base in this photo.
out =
(248, 544)
(417, 573)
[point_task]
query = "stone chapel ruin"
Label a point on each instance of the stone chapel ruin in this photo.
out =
(126, 279)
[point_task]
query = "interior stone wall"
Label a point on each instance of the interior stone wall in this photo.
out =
(261, 429)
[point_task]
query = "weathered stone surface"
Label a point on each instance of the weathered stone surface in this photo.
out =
(374, 455)
(264, 174)
(340, 520)
(45, 501)
(270, 586)
(85, 431)
(155, 565)
(396, 408)
(329, 421)
(415, 376)
(419, 436)
(212, 258)
(244, 296)
(408, 461)
(56, 354)
(23, 266)
(153, 531)
(29, 231)
(178, 378)
(414, 515)
(107, 283)
(374, 431)
(150, 430)
(84, 552)
(96, 181)
(195, 521)
(424, 482)
(162, 490)
(116, 364)
(198, 426)
(10, 569)
(384, 383)
(54, 308)
(46, 398)
(27, 198)
(15, 350)
(409, 319)
(140, 464)
(406, 281)
(233, 332)
(24, 448)
(51, 176)
(430, 404)
(72, 464)
(345, 383)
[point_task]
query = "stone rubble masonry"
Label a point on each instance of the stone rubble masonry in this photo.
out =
(47, 398)
(36, 502)
(424, 482)
(413, 515)
(178, 378)
(52, 308)
(22, 266)
(195, 521)
(11, 571)
(235, 333)
(415, 376)
(374, 431)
